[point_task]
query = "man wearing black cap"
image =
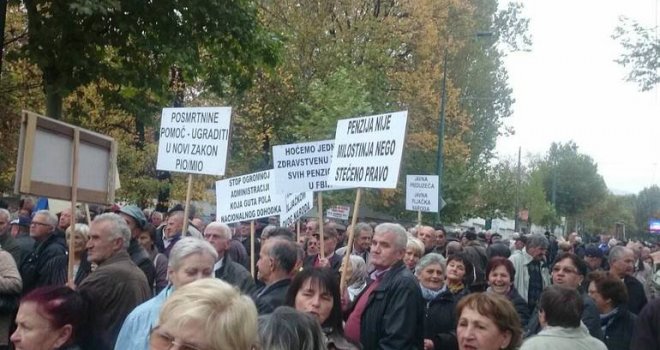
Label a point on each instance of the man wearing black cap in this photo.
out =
(136, 221)
(593, 256)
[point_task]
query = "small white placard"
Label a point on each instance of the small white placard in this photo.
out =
(422, 193)
(295, 206)
(247, 197)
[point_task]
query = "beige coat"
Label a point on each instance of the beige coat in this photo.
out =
(10, 284)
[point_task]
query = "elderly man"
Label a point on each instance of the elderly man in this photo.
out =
(116, 287)
(7, 241)
(219, 236)
(622, 262)
(361, 241)
(277, 259)
(190, 260)
(531, 273)
(136, 222)
(428, 236)
(41, 267)
(389, 311)
(331, 260)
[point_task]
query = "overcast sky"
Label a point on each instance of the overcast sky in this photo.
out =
(569, 88)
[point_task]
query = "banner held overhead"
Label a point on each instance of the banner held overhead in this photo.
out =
(295, 206)
(303, 166)
(368, 151)
(247, 197)
(194, 140)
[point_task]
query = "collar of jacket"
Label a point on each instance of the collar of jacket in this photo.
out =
(394, 270)
(562, 332)
(121, 255)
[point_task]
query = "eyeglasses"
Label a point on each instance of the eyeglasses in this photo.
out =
(557, 269)
(159, 340)
(34, 223)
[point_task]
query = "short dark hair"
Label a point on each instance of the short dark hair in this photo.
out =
(580, 265)
(562, 306)
(282, 232)
(610, 287)
(326, 280)
(500, 261)
(284, 253)
(462, 258)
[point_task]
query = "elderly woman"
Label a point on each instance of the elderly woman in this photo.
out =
(487, 321)
(611, 298)
(207, 314)
(414, 252)
(500, 274)
(191, 259)
(358, 277)
(316, 291)
(49, 318)
(458, 266)
(440, 322)
(80, 237)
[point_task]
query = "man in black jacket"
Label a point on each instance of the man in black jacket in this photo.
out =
(331, 259)
(136, 221)
(277, 259)
(389, 312)
(219, 235)
(622, 265)
(41, 267)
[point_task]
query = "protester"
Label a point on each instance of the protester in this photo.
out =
(316, 291)
(49, 318)
(7, 241)
(331, 259)
(487, 321)
(277, 260)
(20, 230)
(289, 329)
(427, 235)
(500, 274)
(392, 295)
(611, 299)
(621, 261)
(440, 322)
(219, 235)
(191, 259)
(42, 267)
(206, 314)
(357, 280)
(560, 312)
(80, 237)
(136, 222)
(440, 240)
(414, 252)
(569, 271)
(531, 274)
(10, 290)
(475, 252)
(362, 234)
(117, 286)
(147, 241)
(311, 246)
(458, 267)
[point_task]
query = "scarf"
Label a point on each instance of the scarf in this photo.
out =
(456, 288)
(606, 319)
(430, 294)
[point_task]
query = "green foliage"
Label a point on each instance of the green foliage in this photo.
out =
(641, 52)
(647, 207)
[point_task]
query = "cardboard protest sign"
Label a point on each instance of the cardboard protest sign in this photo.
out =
(340, 212)
(422, 193)
(194, 140)
(247, 197)
(302, 166)
(368, 151)
(295, 206)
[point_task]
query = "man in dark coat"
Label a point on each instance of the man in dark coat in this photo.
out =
(219, 235)
(622, 265)
(7, 241)
(277, 259)
(646, 334)
(331, 259)
(136, 222)
(389, 312)
(116, 287)
(41, 267)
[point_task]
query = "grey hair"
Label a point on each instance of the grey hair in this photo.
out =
(188, 246)
(81, 229)
(401, 237)
(266, 232)
(537, 240)
(359, 267)
(50, 217)
(289, 329)
(362, 226)
(118, 228)
(284, 252)
(430, 259)
(617, 252)
(224, 228)
(4, 212)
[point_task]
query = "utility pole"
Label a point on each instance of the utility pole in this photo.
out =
(441, 129)
(516, 226)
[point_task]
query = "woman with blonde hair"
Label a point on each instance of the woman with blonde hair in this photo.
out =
(206, 314)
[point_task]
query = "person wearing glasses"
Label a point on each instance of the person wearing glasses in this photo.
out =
(42, 266)
(569, 271)
(207, 314)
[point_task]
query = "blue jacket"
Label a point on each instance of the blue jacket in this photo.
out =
(134, 333)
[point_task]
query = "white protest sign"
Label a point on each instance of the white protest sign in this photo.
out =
(368, 151)
(340, 212)
(247, 197)
(422, 193)
(194, 140)
(302, 166)
(296, 205)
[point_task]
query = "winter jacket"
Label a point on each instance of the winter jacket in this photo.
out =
(236, 275)
(440, 322)
(618, 333)
(394, 312)
(553, 338)
(636, 295)
(142, 260)
(40, 268)
(521, 280)
(270, 297)
(520, 304)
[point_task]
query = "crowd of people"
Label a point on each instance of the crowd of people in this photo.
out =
(140, 282)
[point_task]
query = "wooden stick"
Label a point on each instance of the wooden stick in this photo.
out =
(419, 218)
(349, 245)
(74, 199)
(186, 211)
(88, 214)
(319, 197)
(252, 249)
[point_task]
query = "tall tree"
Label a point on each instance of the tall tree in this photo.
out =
(641, 52)
(647, 206)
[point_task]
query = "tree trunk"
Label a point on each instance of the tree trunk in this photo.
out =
(53, 101)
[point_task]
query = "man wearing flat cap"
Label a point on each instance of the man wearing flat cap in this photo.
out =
(136, 222)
